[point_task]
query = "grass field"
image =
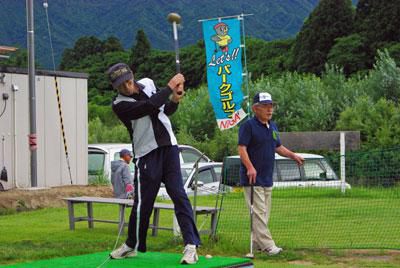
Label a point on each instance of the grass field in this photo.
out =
(317, 228)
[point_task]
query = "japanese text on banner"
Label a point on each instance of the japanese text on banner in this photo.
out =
(224, 70)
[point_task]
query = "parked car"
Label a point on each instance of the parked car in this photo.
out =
(189, 154)
(208, 179)
(316, 172)
(101, 155)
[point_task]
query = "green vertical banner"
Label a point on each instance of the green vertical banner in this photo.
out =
(224, 70)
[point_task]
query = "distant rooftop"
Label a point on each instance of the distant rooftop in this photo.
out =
(6, 49)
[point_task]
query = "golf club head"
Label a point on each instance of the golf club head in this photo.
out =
(250, 256)
(174, 17)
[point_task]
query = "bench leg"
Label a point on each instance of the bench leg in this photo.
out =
(90, 214)
(121, 224)
(156, 218)
(71, 216)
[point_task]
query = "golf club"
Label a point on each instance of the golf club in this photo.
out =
(175, 19)
(251, 254)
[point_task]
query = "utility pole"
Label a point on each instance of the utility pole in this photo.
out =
(32, 91)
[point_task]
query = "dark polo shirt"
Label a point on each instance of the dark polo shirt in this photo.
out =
(261, 142)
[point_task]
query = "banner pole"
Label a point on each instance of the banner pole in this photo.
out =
(225, 17)
(246, 73)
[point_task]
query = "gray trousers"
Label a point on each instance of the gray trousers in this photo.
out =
(262, 238)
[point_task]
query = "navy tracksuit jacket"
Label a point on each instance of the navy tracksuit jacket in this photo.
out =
(145, 115)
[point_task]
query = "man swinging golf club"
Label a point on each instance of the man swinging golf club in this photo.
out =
(144, 109)
(258, 142)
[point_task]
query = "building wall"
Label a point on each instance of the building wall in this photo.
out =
(52, 164)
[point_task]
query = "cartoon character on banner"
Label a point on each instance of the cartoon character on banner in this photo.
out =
(222, 39)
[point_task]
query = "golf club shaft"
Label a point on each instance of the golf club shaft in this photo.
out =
(177, 62)
(251, 217)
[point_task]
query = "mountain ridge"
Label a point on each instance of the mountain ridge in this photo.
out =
(71, 19)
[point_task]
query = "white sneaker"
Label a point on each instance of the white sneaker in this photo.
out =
(273, 251)
(123, 252)
(189, 255)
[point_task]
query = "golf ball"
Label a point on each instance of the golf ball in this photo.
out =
(208, 256)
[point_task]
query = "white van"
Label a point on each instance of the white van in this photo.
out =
(316, 172)
(208, 178)
(101, 155)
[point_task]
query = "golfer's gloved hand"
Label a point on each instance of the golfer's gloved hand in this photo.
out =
(175, 81)
(177, 94)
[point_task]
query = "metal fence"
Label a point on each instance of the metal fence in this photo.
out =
(309, 210)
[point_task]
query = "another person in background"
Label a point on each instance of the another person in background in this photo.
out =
(121, 178)
(258, 142)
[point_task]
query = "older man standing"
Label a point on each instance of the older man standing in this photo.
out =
(258, 142)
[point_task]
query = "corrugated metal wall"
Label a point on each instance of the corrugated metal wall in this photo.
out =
(52, 165)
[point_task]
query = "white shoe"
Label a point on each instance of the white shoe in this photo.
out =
(273, 251)
(123, 252)
(189, 255)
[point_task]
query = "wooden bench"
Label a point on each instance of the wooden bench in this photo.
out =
(123, 203)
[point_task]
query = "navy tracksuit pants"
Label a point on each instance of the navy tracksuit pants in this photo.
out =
(160, 165)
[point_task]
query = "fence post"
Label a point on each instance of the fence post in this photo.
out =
(343, 161)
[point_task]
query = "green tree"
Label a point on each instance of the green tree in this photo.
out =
(394, 51)
(160, 67)
(222, 144)
(140, 52)
(112, 44)
(195, 115)
(100, 55)
(84, 47)
(384, 79)
(302, 103)
(100, 107)
(350, 53)
(341, 92)
(193, 64)
(88, 45)
(268, 58)
(101, 133)
(68, 59)
(328, 21)
(378, 21)
(378, 122)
